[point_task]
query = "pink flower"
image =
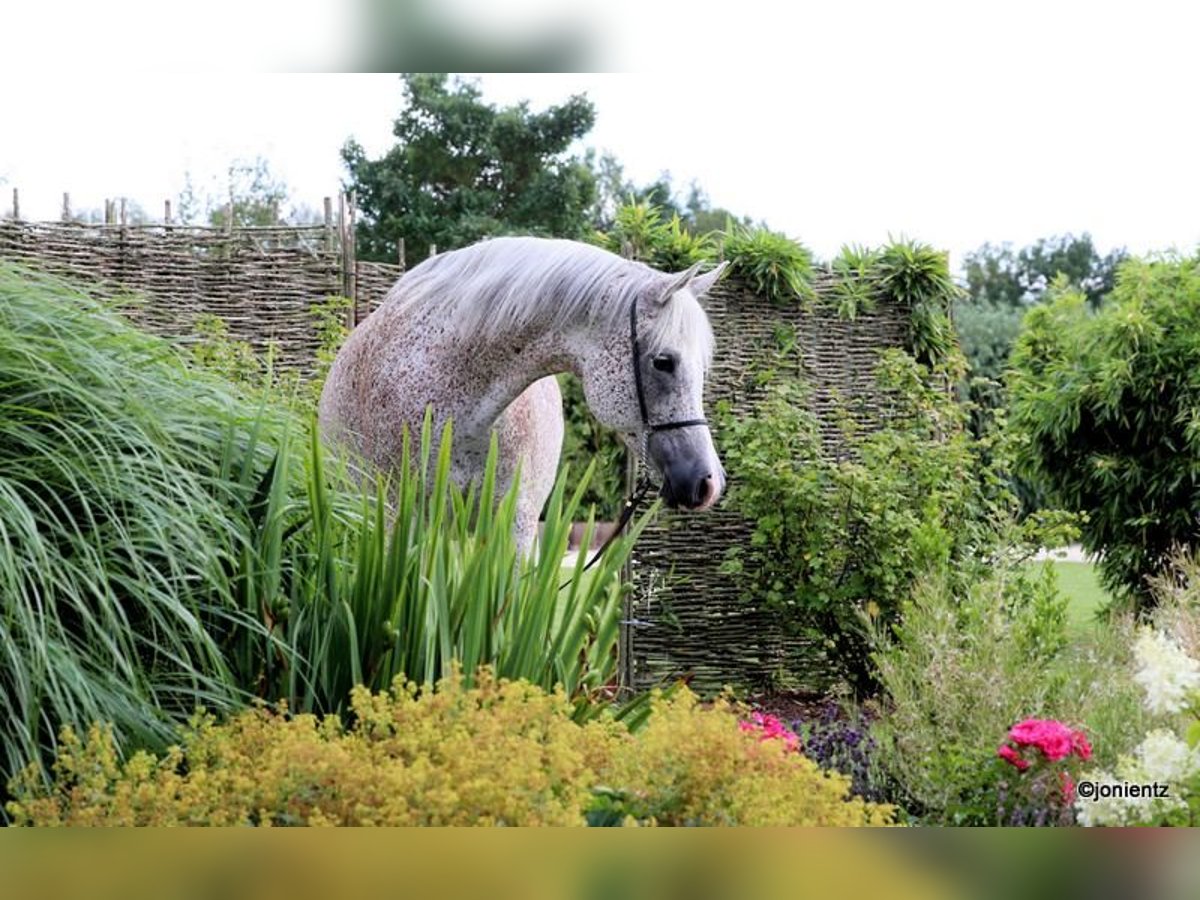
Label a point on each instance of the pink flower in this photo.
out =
(769, 728)
(1079, 743)
(1006, 752)
(1068, 787)
(1054, 739)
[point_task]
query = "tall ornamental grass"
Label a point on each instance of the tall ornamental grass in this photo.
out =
(119, 522)
(169, 540)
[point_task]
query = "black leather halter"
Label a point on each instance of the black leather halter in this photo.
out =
(644, 485)
(637, 380)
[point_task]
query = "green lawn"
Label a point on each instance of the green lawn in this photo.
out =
(1081, 583)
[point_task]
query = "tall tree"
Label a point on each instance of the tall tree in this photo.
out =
(1001, 283)
(997, 274)
(1106, 408)
(250, 190)
(463, 169)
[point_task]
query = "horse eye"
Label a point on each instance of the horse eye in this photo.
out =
(664, 363)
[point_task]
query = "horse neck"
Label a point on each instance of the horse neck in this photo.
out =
(496, 370)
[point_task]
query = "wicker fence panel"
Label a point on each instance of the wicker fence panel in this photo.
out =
(684, 618)
(263, 282)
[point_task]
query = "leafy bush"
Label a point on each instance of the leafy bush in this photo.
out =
(1108, 407)
(958, 670)
(498, 753)
(855, 289)
(838, 541)
(964, 663)
(919, 277)
(774, 265)
(639, 232)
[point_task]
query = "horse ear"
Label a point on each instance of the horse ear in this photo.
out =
(678, 283)
(703, 284)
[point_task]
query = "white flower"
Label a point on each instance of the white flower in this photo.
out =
(1162, 759)
(1113, 811)
(1165, 758)
(1165, 672)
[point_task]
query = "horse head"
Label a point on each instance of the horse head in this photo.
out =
(645, 378)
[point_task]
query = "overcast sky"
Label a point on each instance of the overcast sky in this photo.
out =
(1001, 122)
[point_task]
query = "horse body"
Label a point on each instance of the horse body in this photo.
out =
(478, 334)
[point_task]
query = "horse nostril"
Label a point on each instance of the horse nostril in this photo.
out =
(705, 490)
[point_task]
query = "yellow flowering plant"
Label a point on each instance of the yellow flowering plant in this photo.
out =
(495, 752)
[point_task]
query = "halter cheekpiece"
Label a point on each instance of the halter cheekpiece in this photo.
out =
(637, 380)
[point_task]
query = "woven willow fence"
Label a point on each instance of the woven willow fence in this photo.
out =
(686, 619)
(262, 281)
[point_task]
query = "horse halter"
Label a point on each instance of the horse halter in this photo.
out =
(644, 485)
(641, 393)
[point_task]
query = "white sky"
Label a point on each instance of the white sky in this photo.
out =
(965, 123)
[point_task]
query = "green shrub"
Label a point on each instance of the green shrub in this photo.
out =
(918, 276)
(497, 753)
(1108, 409)
(855, 289)
(961, 666)
(841, 539)
(966, 662)
(639, 232)
(775, 266)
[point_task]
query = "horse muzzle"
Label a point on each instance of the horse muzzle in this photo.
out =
(695, 489)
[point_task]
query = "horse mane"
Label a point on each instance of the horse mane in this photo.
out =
(504, 285)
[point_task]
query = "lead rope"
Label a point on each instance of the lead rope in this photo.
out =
(644, 486)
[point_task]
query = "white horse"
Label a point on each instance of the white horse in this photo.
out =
(479, 333)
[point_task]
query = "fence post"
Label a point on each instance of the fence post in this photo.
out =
(432, 250)
(328, 225)
(66, 210)
(344, 241)
(16, 206)
(352, 313)
(167, 212)
(123, 220)
(400, 245)
(626, 667)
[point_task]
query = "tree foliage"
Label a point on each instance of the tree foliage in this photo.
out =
(1107, 405)
(463, 169)
(249, 194)
(1001, 283)
(999, 275)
